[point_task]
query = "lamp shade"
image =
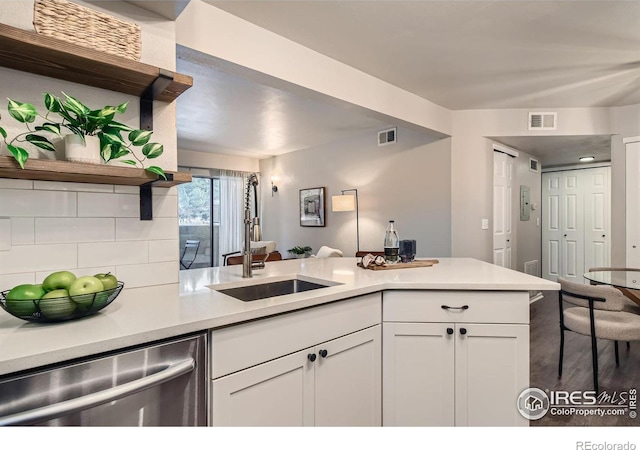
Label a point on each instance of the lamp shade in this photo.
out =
(345, 202)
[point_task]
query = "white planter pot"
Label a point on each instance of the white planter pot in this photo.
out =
(83, 152)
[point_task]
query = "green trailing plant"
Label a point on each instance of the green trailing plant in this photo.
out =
(117, 140)
(297, 250)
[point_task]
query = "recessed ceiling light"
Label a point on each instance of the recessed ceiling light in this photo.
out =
(586, 158)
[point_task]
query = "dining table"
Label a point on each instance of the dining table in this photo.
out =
(626, 280)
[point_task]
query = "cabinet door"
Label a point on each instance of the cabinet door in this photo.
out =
(492, 369)
(572, 208)
(597, 217)
(418, 374)
(276, 393)
(348, 380)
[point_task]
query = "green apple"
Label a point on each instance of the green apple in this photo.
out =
(108, 280)
(58, 280)
(20, 299)
(56, 294)
(57, 304)
(83, 289)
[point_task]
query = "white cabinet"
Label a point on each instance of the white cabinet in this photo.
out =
(320, 366)
(451, 369)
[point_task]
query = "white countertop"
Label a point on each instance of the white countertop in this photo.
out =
(141, 315)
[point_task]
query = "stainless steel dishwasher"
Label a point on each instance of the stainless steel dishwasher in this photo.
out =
(153, 385)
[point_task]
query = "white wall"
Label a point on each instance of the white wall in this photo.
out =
(528, 237)
(83, 227)
(409, 182)
(626, 123)
(472, 165)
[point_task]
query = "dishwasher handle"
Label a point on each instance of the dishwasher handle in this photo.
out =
(98, 398)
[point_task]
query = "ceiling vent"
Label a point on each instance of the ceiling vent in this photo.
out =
(543, 121)
(387, 137)
(533, 165)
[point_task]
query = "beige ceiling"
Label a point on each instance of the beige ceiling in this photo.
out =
(561, 150)
(229, 114)
(459, 54)
(473, 54)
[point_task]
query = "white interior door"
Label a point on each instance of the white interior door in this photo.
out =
(576, 222)
(502, 227)
(632, 190)
(572, 226)
(597, 217)
(551, 218)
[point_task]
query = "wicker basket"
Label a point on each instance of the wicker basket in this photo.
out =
(76, 24)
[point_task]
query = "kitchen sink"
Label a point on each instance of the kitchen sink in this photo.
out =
(272, 289)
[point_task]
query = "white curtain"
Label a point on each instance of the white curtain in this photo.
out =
(231, 236)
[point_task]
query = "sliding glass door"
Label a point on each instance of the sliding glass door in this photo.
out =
(199, 220)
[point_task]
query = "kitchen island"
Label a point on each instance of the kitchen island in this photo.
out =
(148, 314)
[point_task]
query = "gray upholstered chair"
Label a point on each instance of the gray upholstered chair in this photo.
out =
(595, 311)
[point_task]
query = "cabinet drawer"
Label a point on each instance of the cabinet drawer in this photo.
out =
(479, 306)
(240, 346)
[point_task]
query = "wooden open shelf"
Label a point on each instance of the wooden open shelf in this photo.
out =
(30, 52)
(48, 170)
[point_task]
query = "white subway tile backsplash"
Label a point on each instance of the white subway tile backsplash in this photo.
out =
(148, 274)
(7, 183)
(76, 187)
(87, 229)
(30, 203)
(146, 230)
(127, 189)
(108, 205)
(124, 205)
(22, 230)
(60, 230)
(32, 258)
(79, 272)
(113, 253)
(14, 279)
(5, 234)
(160, 251)
(165, 206)
(156, 190)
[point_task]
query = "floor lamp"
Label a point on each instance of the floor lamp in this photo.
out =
(347, 202)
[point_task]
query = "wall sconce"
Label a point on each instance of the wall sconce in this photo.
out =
(274, 188)
(347, 202)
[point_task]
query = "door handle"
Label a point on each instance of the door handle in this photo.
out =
(101, 397)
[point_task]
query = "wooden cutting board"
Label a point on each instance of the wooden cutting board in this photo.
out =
(401, 265)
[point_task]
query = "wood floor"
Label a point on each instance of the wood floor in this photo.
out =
(577, 371)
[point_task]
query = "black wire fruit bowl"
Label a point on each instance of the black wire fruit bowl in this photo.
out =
(59, 309)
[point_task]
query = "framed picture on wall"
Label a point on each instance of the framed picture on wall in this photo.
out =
(312, 206)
